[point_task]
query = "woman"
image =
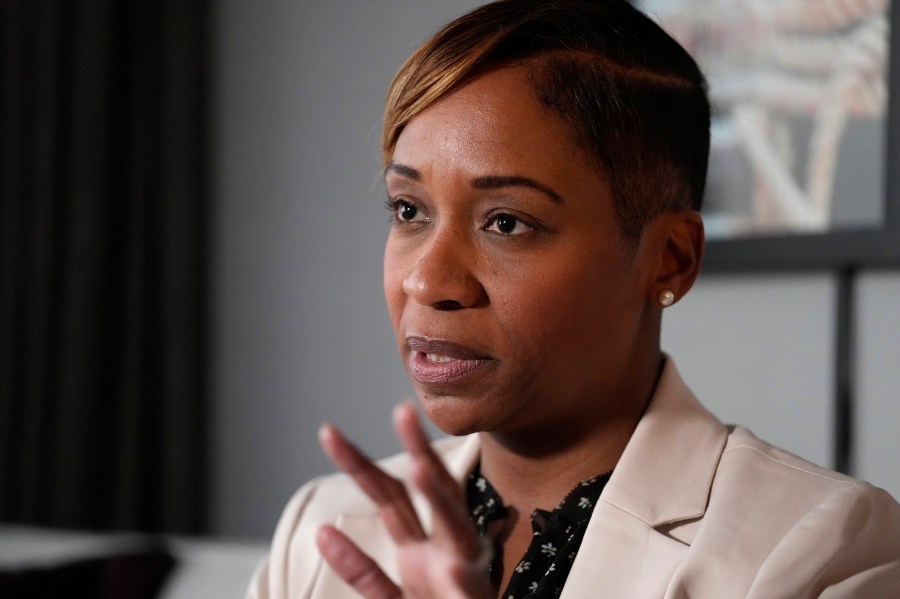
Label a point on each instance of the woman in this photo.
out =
(544, 167)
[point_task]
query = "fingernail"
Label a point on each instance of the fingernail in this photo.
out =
(325, 430)
(402, 409)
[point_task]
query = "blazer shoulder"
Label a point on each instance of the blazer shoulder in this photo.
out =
(752, 456)
(782, 487)
(760, 492)
(780, 526)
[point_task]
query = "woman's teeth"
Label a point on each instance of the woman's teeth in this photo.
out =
(438, 358)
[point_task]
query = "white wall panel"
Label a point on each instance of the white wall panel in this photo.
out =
(758, 351)
(878, 380)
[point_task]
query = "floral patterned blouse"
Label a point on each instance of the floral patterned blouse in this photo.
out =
(543, 569)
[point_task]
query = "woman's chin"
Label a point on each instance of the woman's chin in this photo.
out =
(453, 415)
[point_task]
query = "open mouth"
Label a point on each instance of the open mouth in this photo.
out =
(439, 362)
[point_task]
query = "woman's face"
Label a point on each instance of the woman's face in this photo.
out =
(515, 303)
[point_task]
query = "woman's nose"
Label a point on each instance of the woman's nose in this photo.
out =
(443, 276)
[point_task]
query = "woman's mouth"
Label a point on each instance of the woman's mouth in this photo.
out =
(439, 362)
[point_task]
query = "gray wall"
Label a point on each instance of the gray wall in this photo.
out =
(301, 331)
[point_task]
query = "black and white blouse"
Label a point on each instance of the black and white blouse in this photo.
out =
(542, 571)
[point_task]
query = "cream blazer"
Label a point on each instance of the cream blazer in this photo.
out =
(693, 509)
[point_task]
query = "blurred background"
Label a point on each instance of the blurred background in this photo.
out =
(191, 233)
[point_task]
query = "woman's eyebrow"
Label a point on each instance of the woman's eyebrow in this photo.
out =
(403, 170)
(499, 181)
(487, 182)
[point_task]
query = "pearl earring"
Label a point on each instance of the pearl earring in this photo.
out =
(666, 298)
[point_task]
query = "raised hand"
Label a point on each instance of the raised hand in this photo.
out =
(451, 563)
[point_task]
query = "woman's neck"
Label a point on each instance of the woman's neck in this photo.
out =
(541, 481)
(536, 469)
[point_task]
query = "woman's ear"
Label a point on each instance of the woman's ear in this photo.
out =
(677, 245)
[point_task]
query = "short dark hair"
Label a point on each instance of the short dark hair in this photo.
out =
(632, 97)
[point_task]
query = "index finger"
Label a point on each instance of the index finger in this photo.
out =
(390, 496)
(415, 441)
(451, 523)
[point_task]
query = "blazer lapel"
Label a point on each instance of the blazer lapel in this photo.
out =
(642, 523)
(621, 557)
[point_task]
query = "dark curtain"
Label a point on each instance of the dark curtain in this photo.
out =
(102, 210)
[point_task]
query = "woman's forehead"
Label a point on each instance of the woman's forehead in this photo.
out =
(493, 121)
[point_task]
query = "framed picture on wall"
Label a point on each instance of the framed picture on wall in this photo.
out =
(805, 158)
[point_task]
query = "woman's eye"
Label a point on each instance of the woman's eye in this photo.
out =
(404, 211)
(508, 225)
